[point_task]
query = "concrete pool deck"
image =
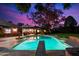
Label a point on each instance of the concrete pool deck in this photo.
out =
(9, 42)
(71, 40)
(31, 53)
(26, 52)
(41, 49)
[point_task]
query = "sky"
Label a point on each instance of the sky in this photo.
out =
(9, 12)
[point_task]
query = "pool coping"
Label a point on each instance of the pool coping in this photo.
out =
(17, 44)
(39, 35)
(20, 42)
(59, 40)
(32, 53)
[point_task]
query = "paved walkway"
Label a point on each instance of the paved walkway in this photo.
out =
(8, 42)
(41, 49)
(11, 41)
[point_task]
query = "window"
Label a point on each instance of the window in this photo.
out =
(14, 29)
(7, 30)
(25, 30)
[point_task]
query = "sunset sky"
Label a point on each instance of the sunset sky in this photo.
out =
(9, 12)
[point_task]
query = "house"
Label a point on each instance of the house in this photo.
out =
(10, 29)
(7, 28)
(33, 30)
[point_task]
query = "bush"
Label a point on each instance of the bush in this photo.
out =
(1, 34)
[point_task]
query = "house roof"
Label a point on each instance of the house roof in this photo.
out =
(33, 27)
(5, 23)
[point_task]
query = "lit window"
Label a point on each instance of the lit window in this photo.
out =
(44, 30)
(38, 30)
(30, 29)
(25, 30)
(6, 30)
(14, 29)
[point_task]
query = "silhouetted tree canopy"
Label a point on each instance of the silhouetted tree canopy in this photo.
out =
(46, 14)
(66, 5)
(20, 24)
(70, 22)
(23, 7)
(39, 7)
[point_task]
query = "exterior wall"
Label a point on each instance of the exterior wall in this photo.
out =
(33, 31)
(30, 31)
(6, 32)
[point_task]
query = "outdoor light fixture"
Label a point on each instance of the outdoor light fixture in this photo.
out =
(38, 37)
(38, 30)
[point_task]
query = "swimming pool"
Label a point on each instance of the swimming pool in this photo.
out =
(51, 43)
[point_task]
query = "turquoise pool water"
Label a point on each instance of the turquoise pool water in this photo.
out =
(51, 43)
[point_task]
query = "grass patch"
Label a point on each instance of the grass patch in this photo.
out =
(63, 35)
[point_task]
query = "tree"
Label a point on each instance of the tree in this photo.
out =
(70, 22)
(23, 7)
(46, 14)
(20, 24)
(66, 5)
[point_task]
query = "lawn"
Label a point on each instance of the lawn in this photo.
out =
(63, 35)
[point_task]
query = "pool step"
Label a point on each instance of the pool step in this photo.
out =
(41, 49)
